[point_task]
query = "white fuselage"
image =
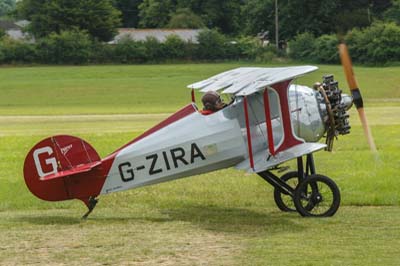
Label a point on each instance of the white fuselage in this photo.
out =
(197, 143)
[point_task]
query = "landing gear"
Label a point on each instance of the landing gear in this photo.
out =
(317, 196)
(283, 200)
(306, 192)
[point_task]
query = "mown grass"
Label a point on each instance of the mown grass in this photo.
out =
(144, 88)
(198, 234)
(222, 218)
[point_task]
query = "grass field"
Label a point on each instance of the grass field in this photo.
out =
(222, 218)
(144, 88)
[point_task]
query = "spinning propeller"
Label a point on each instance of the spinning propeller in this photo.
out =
(355, 92)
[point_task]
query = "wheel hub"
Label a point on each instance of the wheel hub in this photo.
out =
(316, 198)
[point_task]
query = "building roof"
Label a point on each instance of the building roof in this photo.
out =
(8, 25)
(22, 23)
(14, 29)
(188, 35)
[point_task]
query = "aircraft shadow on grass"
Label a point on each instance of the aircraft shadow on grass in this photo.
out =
(233, 220)
(208, 217)
(48, 220)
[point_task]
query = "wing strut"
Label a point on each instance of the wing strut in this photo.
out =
(289, 139)
(193, 97)
(246, 115)
(268, 123)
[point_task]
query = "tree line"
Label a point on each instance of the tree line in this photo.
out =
(307, 25)
(231, 17)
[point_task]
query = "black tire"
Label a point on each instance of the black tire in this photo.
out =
(317, 196)
(284, 201)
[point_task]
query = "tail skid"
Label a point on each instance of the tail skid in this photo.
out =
(91, 203)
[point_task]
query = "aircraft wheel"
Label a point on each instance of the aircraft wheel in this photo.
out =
(317, 196)
(285, 201)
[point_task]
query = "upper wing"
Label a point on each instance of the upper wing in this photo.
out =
(248, 80)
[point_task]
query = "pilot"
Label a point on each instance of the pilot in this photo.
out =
(212, 102)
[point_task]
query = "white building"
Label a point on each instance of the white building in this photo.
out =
(14, 29)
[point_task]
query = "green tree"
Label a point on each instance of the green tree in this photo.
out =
(351, 14)
(130, 12)
(98, 17)
(2, 33)
(184, 18)
(155, 13)
(6, 6)
(393, 13)
(377, 44)
(130, 51)
(212, 45)
(302, 47)
(153, 49)
(67, 47)
(358, 13)
(378, 7)
(258, 15)
(224, 15)
(174, 47)
(14, 51)
(299, 16)
(326, 50)
(315, 16)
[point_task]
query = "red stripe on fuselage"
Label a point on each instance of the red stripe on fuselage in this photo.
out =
(185, 111)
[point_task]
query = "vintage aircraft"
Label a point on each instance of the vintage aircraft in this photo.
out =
(269, 122)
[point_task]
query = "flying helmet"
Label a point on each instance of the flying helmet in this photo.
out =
(212, 101)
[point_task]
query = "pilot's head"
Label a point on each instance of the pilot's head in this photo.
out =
(212, 101)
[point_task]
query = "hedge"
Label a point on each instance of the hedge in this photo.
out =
(76, 47)
(377, 45)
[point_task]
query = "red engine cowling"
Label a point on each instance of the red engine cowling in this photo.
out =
(63, 167)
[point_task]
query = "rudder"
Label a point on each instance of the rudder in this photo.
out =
(63, 167)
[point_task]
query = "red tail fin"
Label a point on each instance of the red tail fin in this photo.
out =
(63, 167)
